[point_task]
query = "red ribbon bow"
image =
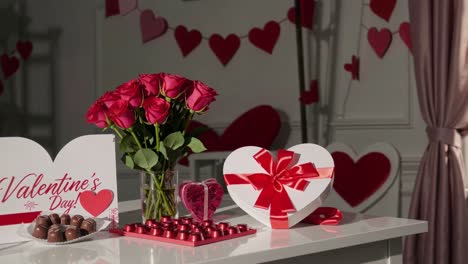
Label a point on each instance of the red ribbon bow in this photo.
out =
(280, 173)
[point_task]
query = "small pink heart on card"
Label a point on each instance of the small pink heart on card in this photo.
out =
(151, 26)
(126, 6)
(201, 199)
(96, 203)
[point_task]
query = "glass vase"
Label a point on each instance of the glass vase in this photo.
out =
(158, 194)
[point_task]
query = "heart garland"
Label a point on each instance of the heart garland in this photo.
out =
(224, 48)
(353, 67)
(383, 8)
(266, 38)
(379, 40)
(151, 26)
(187, 40)
(307, 14)
(9, 65)
(405, 35)
(312, 95)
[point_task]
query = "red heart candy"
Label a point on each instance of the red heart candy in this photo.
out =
(94, 203)
(151, 26)
(379, 40)
(267, 37)
(9, 65)
(24, 48)
(192, 195)
(224, 48)
(187, 40)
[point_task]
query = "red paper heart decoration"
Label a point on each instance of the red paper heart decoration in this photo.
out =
(379, 40)
(405, 35)
(307, 13)
(112, 8)
(95, 204)
(1, 88)
(193, 198)
(151, 26)
(9, 65)
(224, 48)
(266, 38)
(312, 95)
(127, 6)
(383, 8)
(187, 40)
(355, 182)
(353, 67)
(24, 48)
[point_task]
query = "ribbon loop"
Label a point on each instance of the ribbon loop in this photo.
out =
(448, 136)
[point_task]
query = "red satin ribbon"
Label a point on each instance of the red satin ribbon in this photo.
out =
(13, 219)
(280, 173)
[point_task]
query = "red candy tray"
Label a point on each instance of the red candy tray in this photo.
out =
(184, 232)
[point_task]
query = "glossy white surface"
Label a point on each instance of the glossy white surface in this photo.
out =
(266, 245)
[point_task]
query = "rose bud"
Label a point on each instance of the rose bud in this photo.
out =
(172, 86)
(151, 83)
(200, 97)
(131, 92)
(97, 115)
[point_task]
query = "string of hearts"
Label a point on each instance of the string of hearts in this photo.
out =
(224, 48)
(378, 40)
(10, 63)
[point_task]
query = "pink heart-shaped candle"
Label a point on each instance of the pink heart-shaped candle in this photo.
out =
(201, 198)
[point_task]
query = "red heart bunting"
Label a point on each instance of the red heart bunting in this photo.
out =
(9, 65)
(307, 13)
(1, 88)
(405, 35)
(112, 8)
(266, 38)
(353, 67)
(151, 26)
(224, 48)
(383, 8)
(357, 181)
(127, 6)
(311, 96)
(95, 204)
(24, 48)
(379, 40)
(187, 40)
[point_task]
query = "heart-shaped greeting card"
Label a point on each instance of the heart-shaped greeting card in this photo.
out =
(362, 180)
(201, 198)
(279, 192)
(81, 180)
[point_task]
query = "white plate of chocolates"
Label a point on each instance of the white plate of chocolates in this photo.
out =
(52, 229)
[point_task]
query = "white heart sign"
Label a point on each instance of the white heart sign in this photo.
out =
(279, 192)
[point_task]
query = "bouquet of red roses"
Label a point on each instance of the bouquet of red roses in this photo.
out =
(150, 115)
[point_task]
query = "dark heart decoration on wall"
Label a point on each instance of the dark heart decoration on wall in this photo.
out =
(24, 48)
(1, 88)
(266, 38)
(357, 181)
(383, 8)
(307, 13)
(9, 65)
(151, 26)
(187, 40)
(405, 35)
(224, 48)
(379, 40)
(353, 67)
(312, 95)
(112, 8)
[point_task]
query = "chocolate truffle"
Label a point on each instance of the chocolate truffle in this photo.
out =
(43, 220)
(76, 220)
(72, 232)
(65, 219)
(89, 226)
(54, 218)
(55, 235)
(40, 231)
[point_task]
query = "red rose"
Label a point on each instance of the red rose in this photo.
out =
(109, 98)
(201, 97)
(156, 110)
(151, 83)
(131, 92)
(173, 86)
(121, 115)
(97, 115)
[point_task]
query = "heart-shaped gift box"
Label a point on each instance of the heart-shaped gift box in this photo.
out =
(279, 192)
(201, 198)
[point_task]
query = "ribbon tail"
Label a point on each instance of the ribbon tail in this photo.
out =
(278, 218)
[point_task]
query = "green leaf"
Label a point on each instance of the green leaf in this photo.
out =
(128, 161)
(128, 144)
(145, 158)
(174, 140)
(163, 151)
(196, 145)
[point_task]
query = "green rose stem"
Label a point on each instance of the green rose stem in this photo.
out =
(116, 131)
(156, 131)
(187, 122)
(135, 137)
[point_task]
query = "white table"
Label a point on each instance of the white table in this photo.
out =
(358, 239)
